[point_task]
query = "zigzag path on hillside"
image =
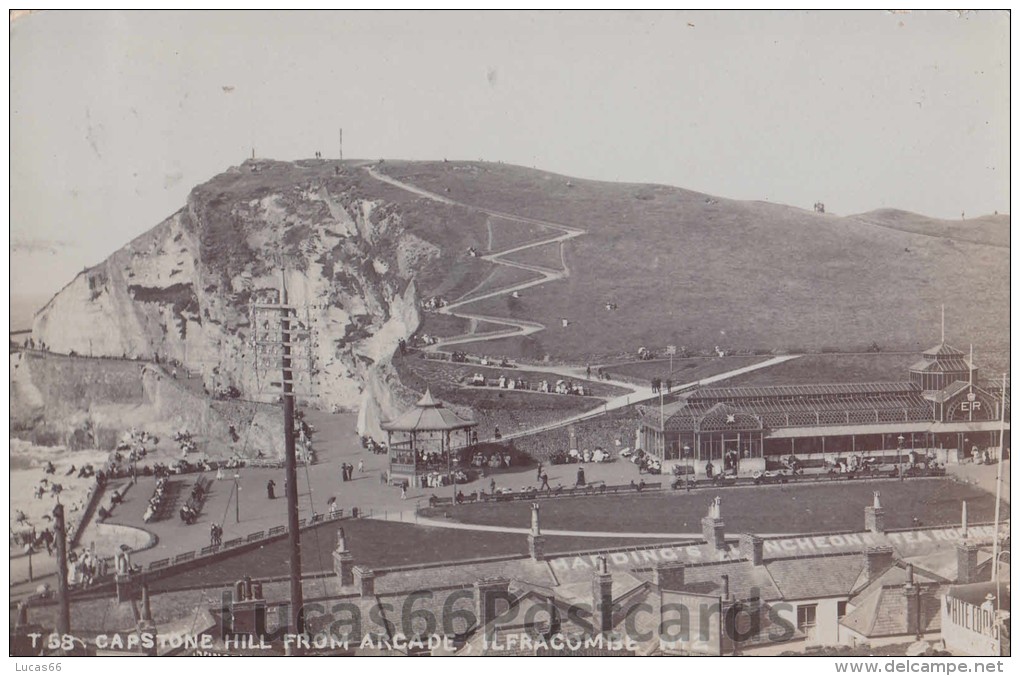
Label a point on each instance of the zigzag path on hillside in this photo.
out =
(523, 328)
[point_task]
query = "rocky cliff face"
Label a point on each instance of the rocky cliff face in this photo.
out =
(184, 290)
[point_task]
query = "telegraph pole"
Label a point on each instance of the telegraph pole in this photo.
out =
(281, 355)
(294, 535)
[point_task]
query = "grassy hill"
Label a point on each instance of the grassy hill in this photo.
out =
(993, 230)
(691, 269)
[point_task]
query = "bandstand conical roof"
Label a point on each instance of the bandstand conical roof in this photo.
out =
(427, 415)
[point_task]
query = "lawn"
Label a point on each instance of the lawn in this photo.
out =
(602, 431)
(447, 326)
(379, 544)
(448, 377)
(376, 544)
(506, 233)
(546, 256)
(684, 370)
(689, 269)
(501, 277)
(510, 410)
(832, 368)
(760, 509)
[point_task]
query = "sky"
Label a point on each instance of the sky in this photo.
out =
(115, 116)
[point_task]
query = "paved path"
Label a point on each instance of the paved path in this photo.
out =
(412, 517)
(516, 327)
(636, 394)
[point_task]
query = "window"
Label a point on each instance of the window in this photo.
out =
(806, 620)
(841, 610)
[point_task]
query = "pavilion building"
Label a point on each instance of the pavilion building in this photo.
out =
(421, 441)
(940, 409)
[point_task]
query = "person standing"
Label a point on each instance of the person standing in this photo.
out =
(545, 482)
(361, 466)
(271, 489)
(580, 476)
(492, 486)
(538, 476)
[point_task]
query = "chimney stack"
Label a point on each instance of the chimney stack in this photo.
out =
(912, 594)
(488, 592)
(247, 608)
(966, 562)
(364, 581)
(963, 520)
(752, 548)
(712, 526)
(669, 575)
(343, 560)
(602, 595)
(874, 516)
(877, 560)
(536, 541)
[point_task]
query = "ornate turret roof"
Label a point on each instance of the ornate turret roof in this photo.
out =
(427, 415)
(942, 350)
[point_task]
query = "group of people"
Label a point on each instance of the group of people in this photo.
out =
(492, 460)
(30, 539)
(347, 470)
(434, 303)
(588, 455)
(600, 373)
(85, 568)
(157, 499)
(193, 507)
(185, 442)
(215, 534)
(659, 383)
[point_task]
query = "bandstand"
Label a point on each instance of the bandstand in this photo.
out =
(421, 442)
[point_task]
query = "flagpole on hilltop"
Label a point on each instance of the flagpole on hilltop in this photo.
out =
(998, 488)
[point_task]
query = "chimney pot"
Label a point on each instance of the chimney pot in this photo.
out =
(966, 562)
(752, 548)
(877, 560)
(487, 592)
(364, 580)
(669, 575)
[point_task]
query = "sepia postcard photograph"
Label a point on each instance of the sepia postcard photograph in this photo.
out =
(510, 333)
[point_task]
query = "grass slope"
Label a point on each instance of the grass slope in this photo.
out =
(691, 269)
(992, 230)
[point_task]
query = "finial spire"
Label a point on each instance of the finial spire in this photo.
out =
(970, 368)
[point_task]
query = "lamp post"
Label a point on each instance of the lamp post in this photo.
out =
(690, 468)
(237, 496)
(29, 550)
(899, 448)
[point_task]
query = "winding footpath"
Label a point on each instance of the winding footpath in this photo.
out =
(517, 327)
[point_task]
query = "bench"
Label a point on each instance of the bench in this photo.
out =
(186, 556)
